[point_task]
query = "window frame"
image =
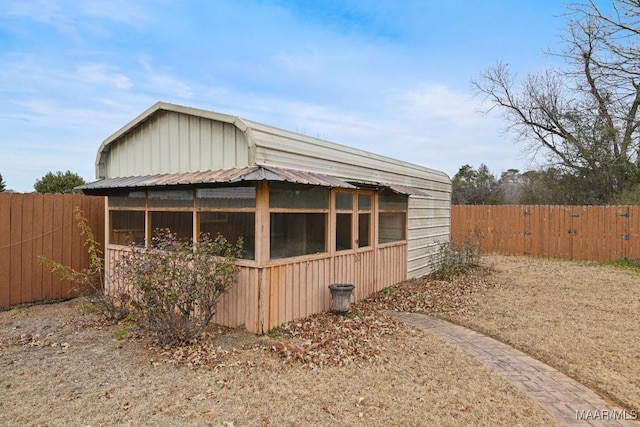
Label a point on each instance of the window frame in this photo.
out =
(381, 211)
(356, 211)
(343, 211)
(194, 209)
(370, 212)
(298, 210)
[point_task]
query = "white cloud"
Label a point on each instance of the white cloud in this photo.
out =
(104, 75)
(437, 101)
(301, 63)
(163, 82)
(123, 11)
(45, 11)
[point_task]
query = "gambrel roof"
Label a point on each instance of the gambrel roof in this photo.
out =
(169, 139)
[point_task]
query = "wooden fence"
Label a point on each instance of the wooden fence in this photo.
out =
(34, 225)
(596, 233)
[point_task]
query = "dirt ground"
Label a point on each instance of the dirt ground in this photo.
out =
(62, 366)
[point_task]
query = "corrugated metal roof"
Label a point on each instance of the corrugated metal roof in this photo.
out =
(405, 189)
(401, 189)
(234, 175)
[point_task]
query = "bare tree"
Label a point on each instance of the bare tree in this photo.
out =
(583, 117)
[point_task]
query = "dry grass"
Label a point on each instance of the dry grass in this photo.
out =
(61, 366)
(582, 318)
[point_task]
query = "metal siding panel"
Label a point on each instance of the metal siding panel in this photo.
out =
(147, 152)
(128, 152)
(115, 159)
(111, 168)
(154, 146)
(183, 143)
(206, 144)
(187, 144)
(217, 136)
(242, 149)
(229, 146)
(326, 157)
(173, 145)
(137, 163)
(195, 136)
(355, 169)
(163, 143)
(428, 226)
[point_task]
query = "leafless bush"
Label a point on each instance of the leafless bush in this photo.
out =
(177, 286)
(458, 257)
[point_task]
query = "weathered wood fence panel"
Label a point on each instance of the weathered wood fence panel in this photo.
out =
(34, 225)
(596, 233)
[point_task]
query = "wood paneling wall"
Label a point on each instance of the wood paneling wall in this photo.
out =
(34, 225)
(594, 233)
(266, 297)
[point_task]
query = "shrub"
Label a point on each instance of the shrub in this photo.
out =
(458, 257)
(90, 278)
(177, 286)
(113, 307)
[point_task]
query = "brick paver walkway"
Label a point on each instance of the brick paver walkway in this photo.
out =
(564, 398)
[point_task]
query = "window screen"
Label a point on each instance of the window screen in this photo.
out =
(232, 225)
(392, 218)
(180, 223)
(230, 197)
(294, 234)
(298, 196)
(127, 227)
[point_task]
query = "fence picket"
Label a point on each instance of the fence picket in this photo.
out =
(34, 225)
(5, 250)
(595, 233)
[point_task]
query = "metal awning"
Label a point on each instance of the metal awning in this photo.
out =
(396, 188)
(409, 191)
(221, 176)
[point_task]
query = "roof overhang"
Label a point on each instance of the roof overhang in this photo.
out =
(396, 188)
(221, 176)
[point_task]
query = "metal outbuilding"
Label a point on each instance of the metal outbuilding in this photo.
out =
(311, 212)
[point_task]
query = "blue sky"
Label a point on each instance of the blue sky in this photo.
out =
(388, 77)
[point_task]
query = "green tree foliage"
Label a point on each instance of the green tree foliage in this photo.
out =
(474, 187)
(548, 186)
(543, 187)
(583, 116)
(59, 182)
(510, 187)
(3, 185)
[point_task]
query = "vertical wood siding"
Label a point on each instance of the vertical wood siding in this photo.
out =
(270, 296)
(240, 306)
(594, 233)
(35, 225)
